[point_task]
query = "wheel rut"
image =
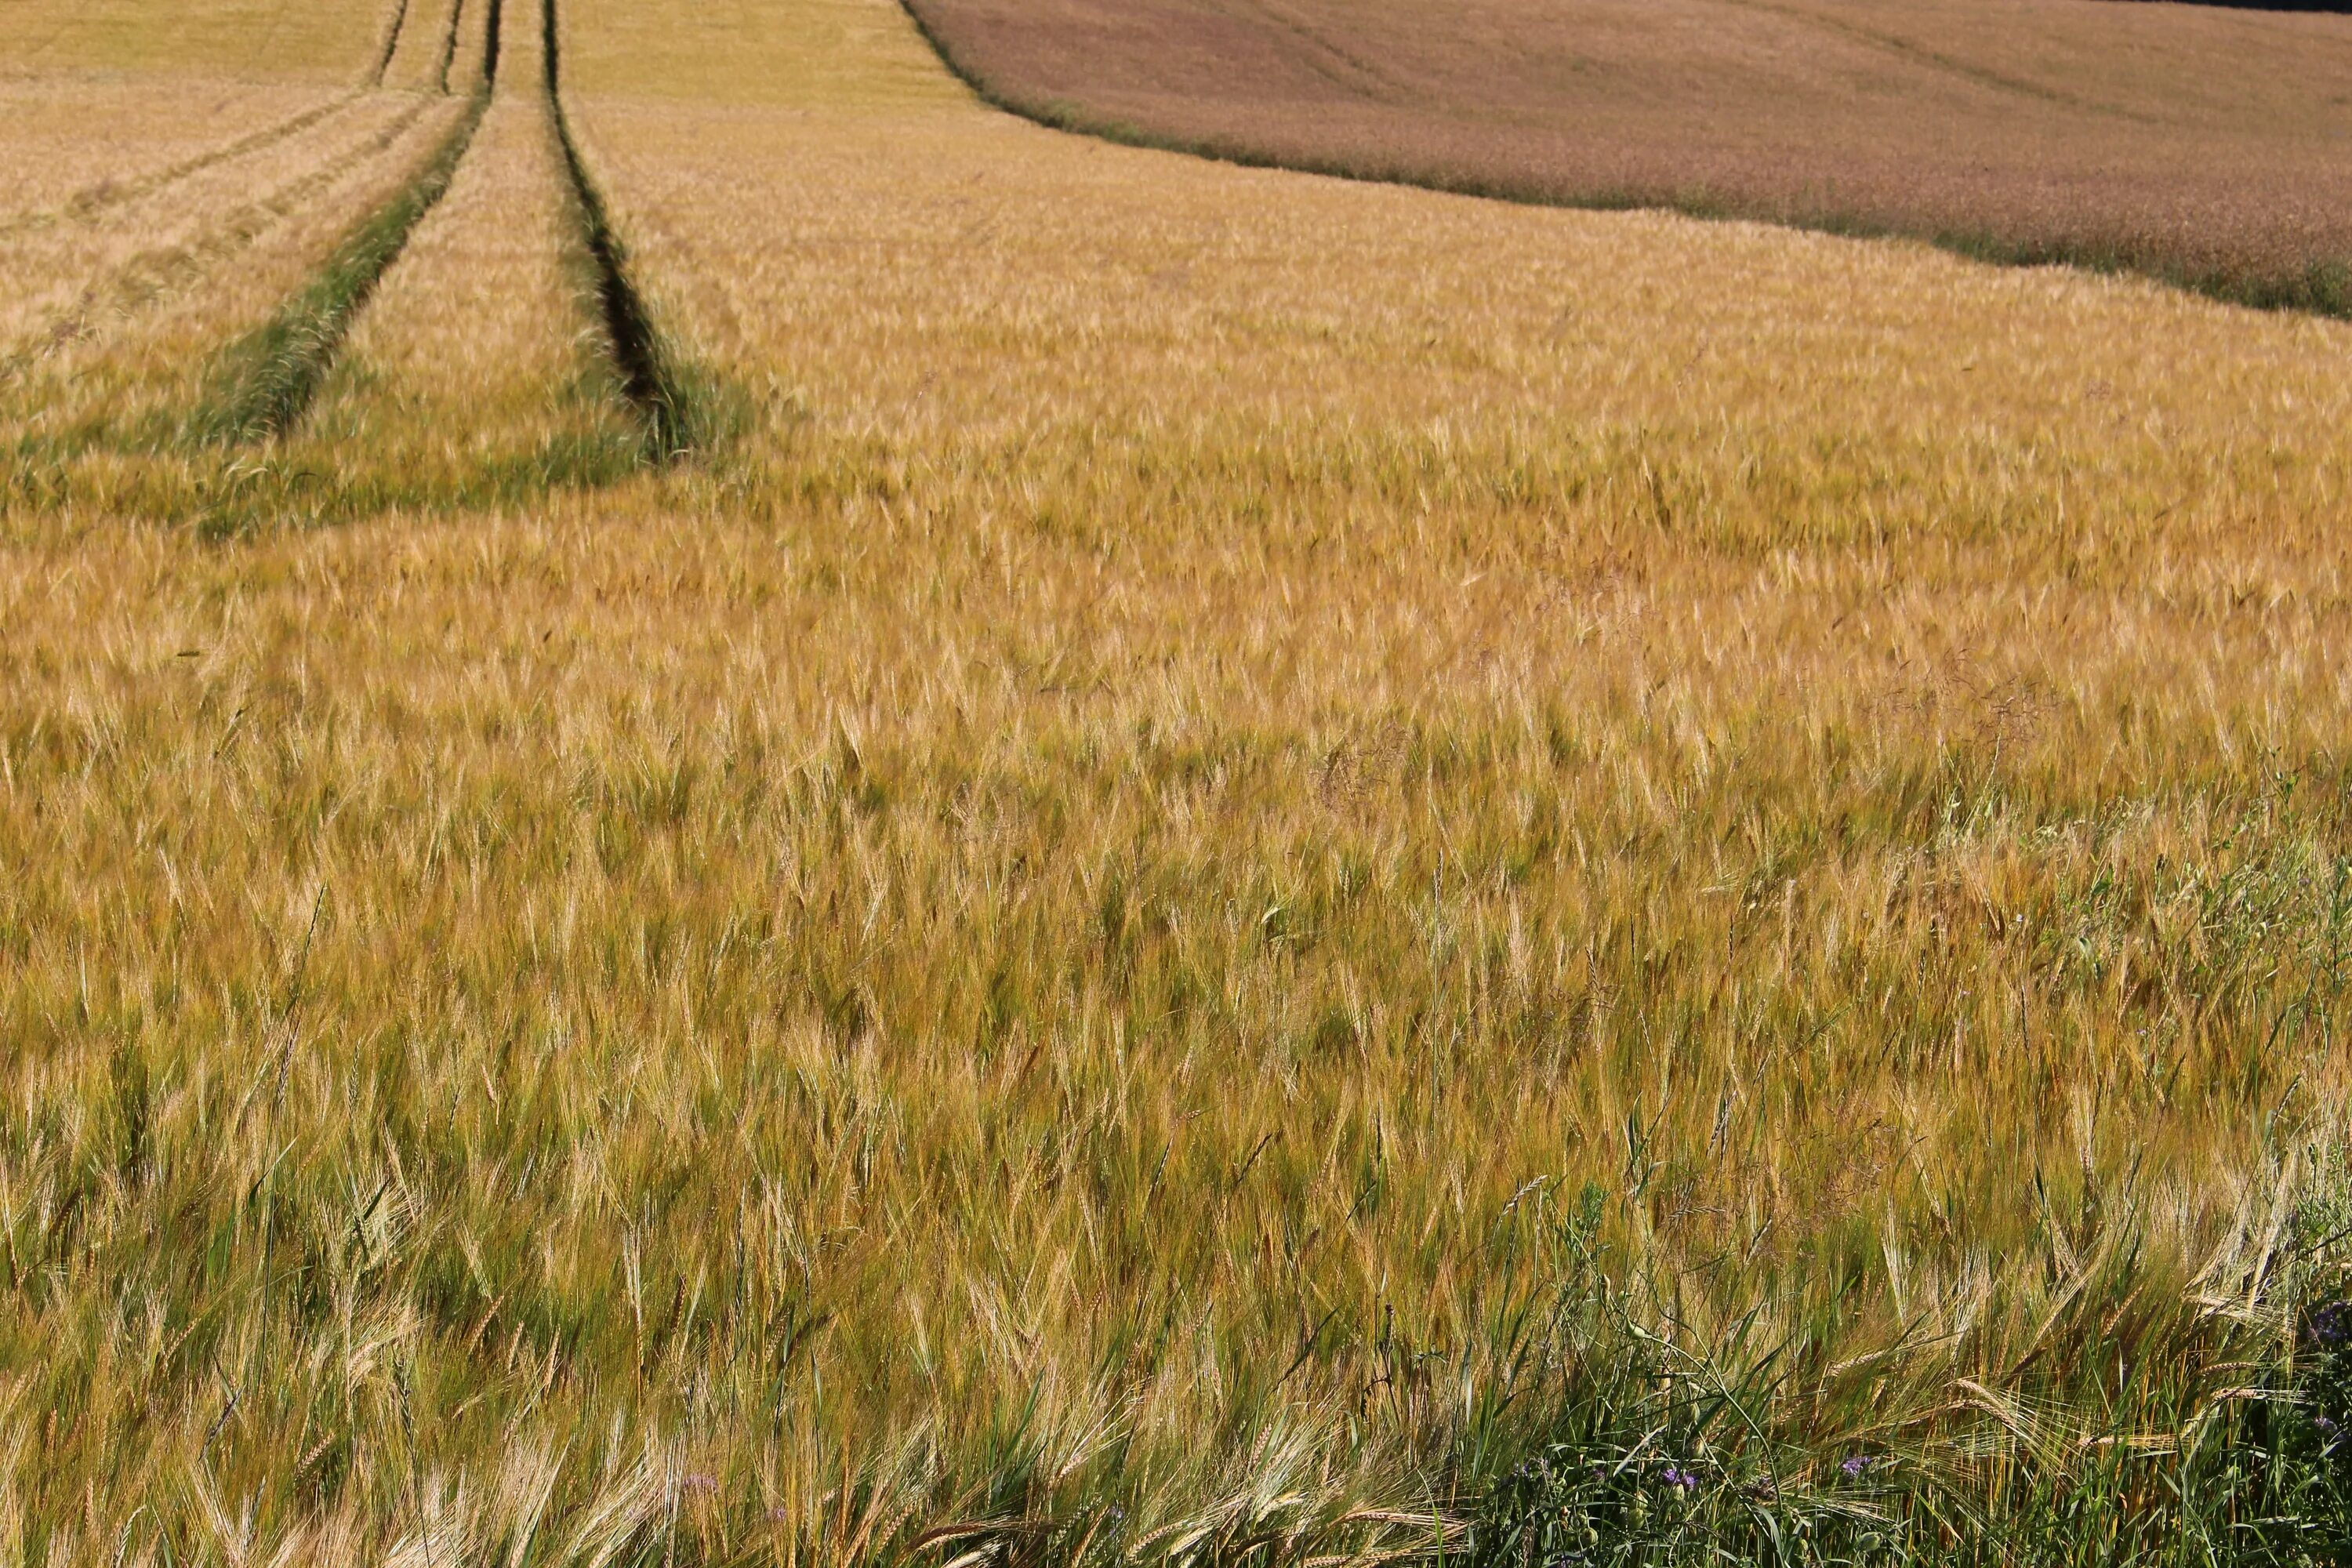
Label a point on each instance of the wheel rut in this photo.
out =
(265, 382)
(391, 43)
(157, 273)
(101, 201)
(449, 43)
(261, 386)
(648, 372)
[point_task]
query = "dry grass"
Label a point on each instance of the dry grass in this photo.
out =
(2197, 143)
(1245, 821)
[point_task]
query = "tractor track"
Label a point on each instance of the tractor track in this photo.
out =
(391, 43)
(648, 372)
(99, 201)
(156, 274)
(262, 385)
(265, 382)
(449, 43)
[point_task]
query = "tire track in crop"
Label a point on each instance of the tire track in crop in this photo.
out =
(1325, 57)
(265, 380)
(449, 42)
(97, 201)
(1934, 60)
(649, 371)
(391, 43)
(158, 273)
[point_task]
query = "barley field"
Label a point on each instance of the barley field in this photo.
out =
(754, 816)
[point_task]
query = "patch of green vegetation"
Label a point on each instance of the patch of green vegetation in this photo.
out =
(1657, 1457)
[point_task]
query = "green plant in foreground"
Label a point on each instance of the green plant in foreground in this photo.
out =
(1663, 1455)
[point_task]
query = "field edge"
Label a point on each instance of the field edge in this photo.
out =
(2323, 289)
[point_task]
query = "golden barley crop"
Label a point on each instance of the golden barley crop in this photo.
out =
(1240, 869)
(477, 366)
(78, 144)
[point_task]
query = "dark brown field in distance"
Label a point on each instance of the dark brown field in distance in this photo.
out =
(2210, 145)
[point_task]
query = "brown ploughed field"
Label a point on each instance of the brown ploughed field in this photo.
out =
(2205, 145)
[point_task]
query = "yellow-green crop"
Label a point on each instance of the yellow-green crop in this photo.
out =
(1233, 855)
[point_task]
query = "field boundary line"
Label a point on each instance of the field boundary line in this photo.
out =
(2321, 288)
(648, 371)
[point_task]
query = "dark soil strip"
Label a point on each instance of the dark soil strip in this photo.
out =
(267, 379)
(648, 377)
(391, 43)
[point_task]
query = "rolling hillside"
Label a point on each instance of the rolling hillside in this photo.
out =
(2199, 143)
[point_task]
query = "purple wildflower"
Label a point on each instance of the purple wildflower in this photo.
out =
(2332, 1325)
(1675, 1476)
(1853, 1465)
